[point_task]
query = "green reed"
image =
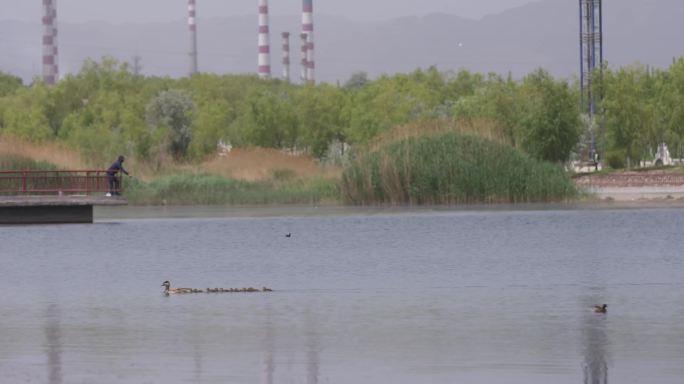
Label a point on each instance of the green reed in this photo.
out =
(451, 168)
(217, 190)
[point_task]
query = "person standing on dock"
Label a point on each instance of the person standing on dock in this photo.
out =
(111, 175)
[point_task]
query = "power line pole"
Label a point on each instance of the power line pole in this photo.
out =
(591, 62)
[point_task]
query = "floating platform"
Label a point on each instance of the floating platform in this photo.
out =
(67, 209)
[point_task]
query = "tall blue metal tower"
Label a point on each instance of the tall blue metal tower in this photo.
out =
(591, 57)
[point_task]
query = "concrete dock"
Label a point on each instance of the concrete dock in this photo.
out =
(53, 209)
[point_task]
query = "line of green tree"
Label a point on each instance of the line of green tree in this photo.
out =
(105, 110)
(639, 108)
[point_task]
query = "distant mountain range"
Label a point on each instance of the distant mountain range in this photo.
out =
(541, 34)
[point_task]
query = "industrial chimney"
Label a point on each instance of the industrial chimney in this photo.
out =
(286, 56)
(50, 49)
(264, 44)
(192, 27)
(310, 63)
(308, 28)
(304, 43)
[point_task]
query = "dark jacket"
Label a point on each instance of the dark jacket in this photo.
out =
(116, 167)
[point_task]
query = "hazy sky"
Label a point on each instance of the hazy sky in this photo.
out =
(118, 11)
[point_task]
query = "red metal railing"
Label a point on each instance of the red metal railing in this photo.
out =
(55, 182)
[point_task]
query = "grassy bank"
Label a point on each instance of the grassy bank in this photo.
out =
(451, 168)
(280, 186)
(428, 166)
(246, 176)
(218, 190)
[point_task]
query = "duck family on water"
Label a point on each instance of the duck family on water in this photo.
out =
(169, 291)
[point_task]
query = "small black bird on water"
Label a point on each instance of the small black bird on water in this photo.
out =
(601, 308)
(288, 235)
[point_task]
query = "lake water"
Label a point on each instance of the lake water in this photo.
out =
(500, 296)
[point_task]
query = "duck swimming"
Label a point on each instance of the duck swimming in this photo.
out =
(601, 308)
(168, 290)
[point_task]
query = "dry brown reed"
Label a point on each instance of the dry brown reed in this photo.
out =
(52, 153)
(486, 129)
(248, 164)
(257, 164)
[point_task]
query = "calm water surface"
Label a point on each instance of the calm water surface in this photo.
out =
(412, 297)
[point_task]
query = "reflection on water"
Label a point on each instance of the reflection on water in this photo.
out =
(53, 337)
(312, 354)
(197, 357)
(595, 344)
(267, 345)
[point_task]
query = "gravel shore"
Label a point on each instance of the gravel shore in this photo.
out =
(656, 185)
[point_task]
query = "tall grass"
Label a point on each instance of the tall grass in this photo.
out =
(39, 153)
(244, 177)
(451, 168)
(217, 190)
(15, 162)
(254, 164)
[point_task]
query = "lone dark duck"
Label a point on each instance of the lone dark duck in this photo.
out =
(601, 308)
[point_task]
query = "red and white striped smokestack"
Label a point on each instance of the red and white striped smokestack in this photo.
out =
(264, 43)
(310, 63)
(50, 50)
(192, 27)
(286, 56)
(304, 44)
(308, 28)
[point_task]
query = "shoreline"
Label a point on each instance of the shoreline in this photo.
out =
(635, 187)
(666, 193)
(607, 200)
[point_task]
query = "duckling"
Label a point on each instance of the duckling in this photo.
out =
(264, 289)
(601, 308)
(168, 290)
